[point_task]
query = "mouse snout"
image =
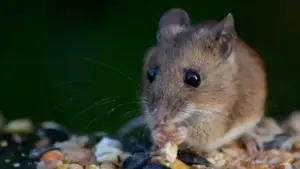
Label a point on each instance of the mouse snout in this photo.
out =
(161, 114)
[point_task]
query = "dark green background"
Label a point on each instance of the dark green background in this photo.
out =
(59, 57)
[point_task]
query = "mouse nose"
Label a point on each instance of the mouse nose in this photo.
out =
(161, 114)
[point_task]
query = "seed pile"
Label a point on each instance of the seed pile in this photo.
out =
(49, 145)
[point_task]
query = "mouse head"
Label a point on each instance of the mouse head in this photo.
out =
(190, 70)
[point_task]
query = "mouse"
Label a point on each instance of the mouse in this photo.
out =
(202, 85)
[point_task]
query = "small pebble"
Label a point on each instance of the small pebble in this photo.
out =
(108, 150)
(3, 143)
(16, 165)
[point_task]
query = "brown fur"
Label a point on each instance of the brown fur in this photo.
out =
(234, 86)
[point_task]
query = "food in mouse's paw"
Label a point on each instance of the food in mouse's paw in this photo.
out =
(169, 152)
(166, 154)
(191, 158)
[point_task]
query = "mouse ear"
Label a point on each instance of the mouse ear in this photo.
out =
(225, 35)
(172, 22)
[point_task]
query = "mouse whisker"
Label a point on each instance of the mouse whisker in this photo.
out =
(109, 67)
(206, 114)
(185, 114)
(71, 98)
(97, 103)
(108, 112)
(131, 113)
(143, 130)
(119, 105)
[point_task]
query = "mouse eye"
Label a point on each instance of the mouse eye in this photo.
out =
(151, 74)
(192, 78)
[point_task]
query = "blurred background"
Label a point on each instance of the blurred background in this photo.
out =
(79, 62)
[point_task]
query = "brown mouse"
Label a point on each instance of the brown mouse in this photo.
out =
(204, 84)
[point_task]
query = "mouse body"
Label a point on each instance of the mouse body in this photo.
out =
(203, 86)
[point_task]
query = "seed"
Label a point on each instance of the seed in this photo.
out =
(93, 166)
(177, 164)
(52, 155)
(230, 152)
(75, 166)
(219, 156)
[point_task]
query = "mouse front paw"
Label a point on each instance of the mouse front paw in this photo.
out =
(252, 143)
(159, 138)
(161, 135)
(179, 135)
